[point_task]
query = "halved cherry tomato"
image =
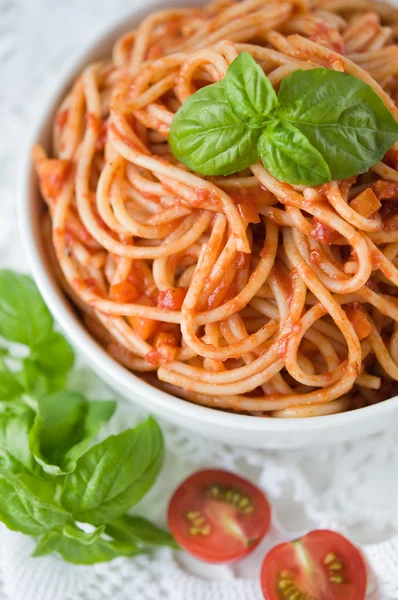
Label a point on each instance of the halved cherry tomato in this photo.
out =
(322, 565)
(217, 516)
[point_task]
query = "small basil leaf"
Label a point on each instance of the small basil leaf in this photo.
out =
(27, 505)
(64, 427)
(58, 425)
(114, 475)
(54, 355)
(290, 157)
(140, 530)
(14, 441)
(209, 138)
(73, 532)
(98, 413)
(76, 552)
(341, 116)
(32, 379)
(249, 91)
(9, 386)
(24, 318)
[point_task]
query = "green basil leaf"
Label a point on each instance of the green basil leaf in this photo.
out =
(9, 386)
(209, 138)
(140, 530)
(64, 427)
(73, 532)
(58, 425)
(15, 454)
(27, 504)
(54, 355)
(76, 552)
(290, 157)
(24, 318)
(249, 91)
(98, 413)
(32, 379)
(341, 116)
(114, 475)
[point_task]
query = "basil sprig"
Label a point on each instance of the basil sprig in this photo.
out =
(52, 477)
(322, 125)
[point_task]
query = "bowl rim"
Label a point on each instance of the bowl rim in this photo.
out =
(144, 394)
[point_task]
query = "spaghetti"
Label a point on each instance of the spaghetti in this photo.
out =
(241, 292)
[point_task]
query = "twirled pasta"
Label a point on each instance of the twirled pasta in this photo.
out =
(242, 292)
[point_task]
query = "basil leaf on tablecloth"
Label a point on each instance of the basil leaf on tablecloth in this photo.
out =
(63, 429)
(78, 553)
(73, 532)
(115, 474)
(54, 357)
(15, 454)
(9, 385)
(24, 317)
(137, 529)
(27, 504)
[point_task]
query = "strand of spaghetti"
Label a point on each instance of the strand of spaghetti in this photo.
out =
(188, 328)
(265, 359)
(205, 59)
(287, 195)
(335, 371)
(316, 410)
(267, 328)
(335, 198)
(193, 181)
(383, 356)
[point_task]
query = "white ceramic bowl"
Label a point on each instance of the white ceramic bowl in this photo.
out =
(233, 428)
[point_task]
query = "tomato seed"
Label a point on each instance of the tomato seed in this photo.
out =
(329, 558)
(337, 579)
(336, 566)
(193, 515)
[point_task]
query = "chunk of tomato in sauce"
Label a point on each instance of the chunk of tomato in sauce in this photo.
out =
(359, 319)
(53, 174)
(141, 325)
(172, 298)
(165, 349)
(124, 292)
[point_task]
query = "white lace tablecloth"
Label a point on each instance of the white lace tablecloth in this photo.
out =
(352, 488)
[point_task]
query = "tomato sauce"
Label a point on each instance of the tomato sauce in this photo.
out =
(53, 174)
(202, 196)
(62, 117)
(323, 233)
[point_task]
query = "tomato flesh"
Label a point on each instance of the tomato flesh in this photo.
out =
(218, 517)
(322, 565)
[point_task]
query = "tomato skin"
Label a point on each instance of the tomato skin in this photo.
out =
(218, 517)
(322, 565)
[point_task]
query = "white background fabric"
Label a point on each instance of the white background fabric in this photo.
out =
(352, 488)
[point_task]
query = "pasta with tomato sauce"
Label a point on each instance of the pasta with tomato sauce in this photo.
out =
(237, 292)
